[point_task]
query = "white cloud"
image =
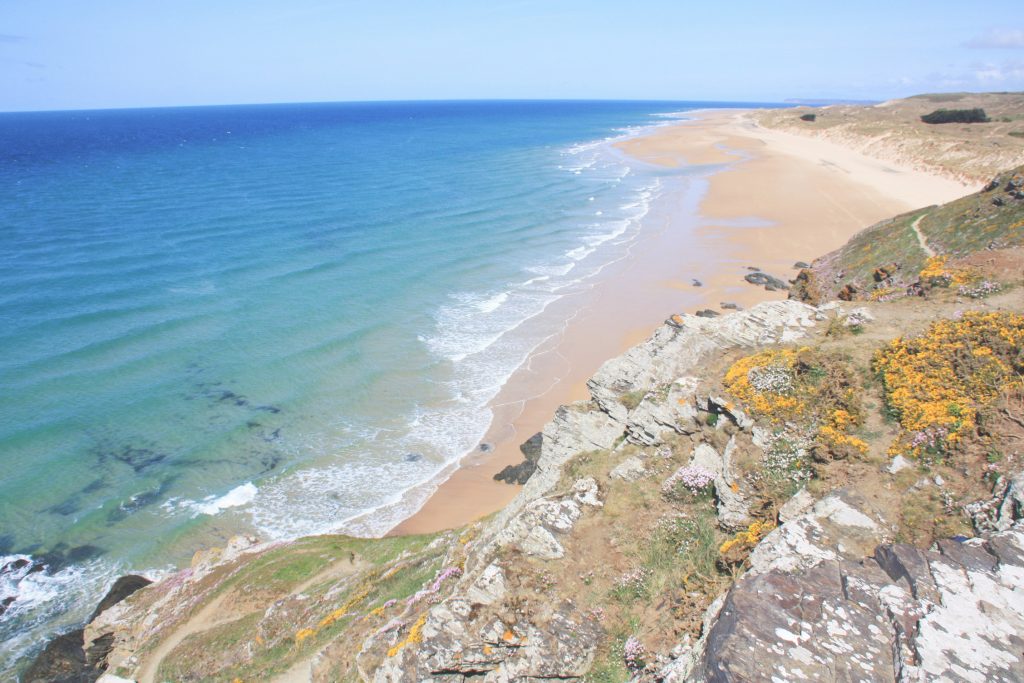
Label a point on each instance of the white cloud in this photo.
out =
(990, 73)
(998, 38)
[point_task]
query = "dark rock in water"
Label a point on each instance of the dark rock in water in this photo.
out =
(59, 557)
(68, 507)
(64, 659)
(413, 457)
(122, 588)
(5, 603)
(61, 661)
(729, 306)
(14, 566)
(95, 485)
(83, 553)
(486, 447)
(520, 474)
(801, 264)
(707, 313)
(138, 458)
(697, 283)
(765, 279)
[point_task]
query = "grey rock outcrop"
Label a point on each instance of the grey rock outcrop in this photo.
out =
(71, 657)
(630, 469)
(557, 643)
(677, 348)
(816, 606)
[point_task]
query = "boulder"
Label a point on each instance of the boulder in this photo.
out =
(767, 281)
(520, 473)
(630, 469)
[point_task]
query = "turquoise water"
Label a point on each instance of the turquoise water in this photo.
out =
(271, 318)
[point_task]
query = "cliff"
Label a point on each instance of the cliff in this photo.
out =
(834, 487)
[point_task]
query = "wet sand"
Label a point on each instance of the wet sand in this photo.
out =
(774, 198)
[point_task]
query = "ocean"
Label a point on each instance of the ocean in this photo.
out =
(276, 319)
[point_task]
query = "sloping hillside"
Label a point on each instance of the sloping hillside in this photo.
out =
(887, 259)
(893, 131)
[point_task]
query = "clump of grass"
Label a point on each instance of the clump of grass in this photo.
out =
(632, 586)
(631, 399)
(926, 515)
(683, 550)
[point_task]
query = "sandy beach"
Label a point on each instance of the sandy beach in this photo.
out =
(775, 198)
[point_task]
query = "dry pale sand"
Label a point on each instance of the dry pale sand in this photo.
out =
(780, 198)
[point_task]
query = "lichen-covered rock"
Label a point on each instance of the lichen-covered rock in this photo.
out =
(836, 527)
(557, 642)
(630, 469)
(954, 614)
(650, 421)
(816, 607)
(801, 501)
(677, 348)
(586, 492)
(489, 587)
(733, 506)
(533, 531)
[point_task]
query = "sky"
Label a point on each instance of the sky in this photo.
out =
(88, 54)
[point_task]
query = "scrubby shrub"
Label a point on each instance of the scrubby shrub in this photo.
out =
(976, 115)
(804, 387)
(808, 117)
(938, 383)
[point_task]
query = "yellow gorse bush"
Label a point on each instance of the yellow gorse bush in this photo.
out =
(751, 536)
(778, 403)
(936, 383)
(800, 386)
(415, 636)
(936, 271)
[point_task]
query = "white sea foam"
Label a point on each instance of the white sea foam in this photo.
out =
(41, 601)
(478, 334)
(492, 303)
(242, 494)
(579, 253)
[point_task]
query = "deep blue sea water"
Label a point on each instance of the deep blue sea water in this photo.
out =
(271, 318)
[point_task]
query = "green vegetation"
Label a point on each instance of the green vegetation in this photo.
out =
(632, 399)
(976, 115)
(809, 117)
(882, 261)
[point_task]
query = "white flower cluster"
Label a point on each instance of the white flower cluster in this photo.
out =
(773, 378)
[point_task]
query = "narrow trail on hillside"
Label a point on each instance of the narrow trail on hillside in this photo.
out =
(920, 236)
(230, 606)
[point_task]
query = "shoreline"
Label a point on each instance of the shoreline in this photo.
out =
(745, 217)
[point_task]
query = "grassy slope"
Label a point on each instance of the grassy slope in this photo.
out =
(992, 218)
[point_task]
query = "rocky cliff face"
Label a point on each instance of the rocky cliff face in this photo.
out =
(479, 632)
(619, 558)
(818, 604)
